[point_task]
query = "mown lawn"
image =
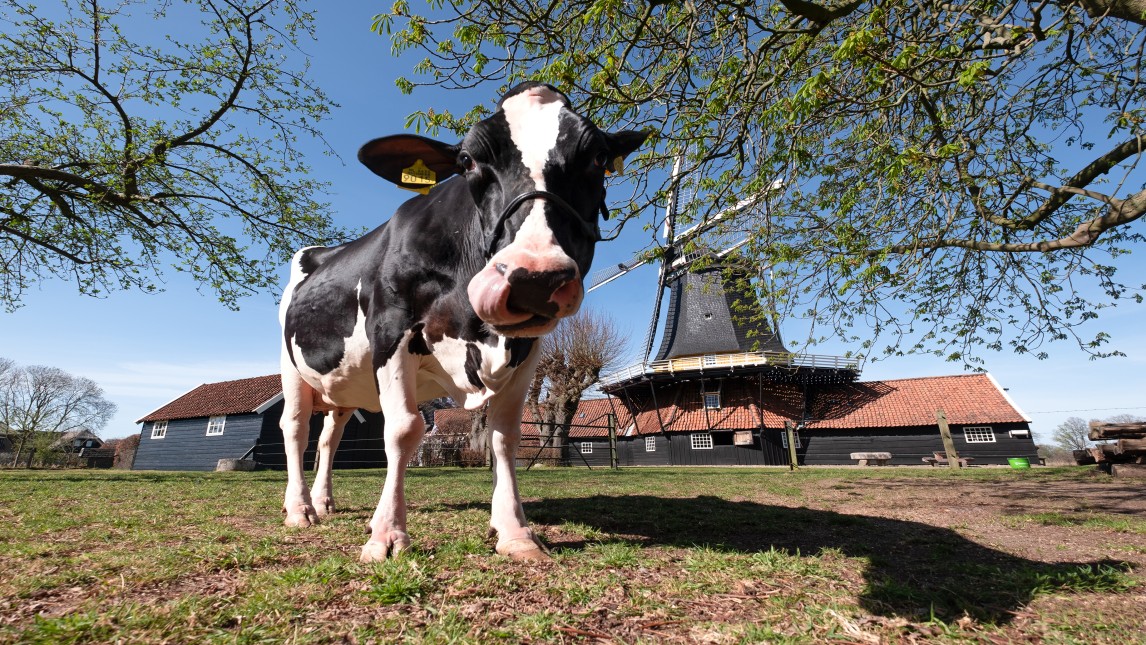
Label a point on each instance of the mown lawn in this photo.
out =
(640, 555)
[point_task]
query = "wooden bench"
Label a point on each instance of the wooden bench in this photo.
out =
(940, 459)
(871, 458)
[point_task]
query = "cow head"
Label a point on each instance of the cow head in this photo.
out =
(536, 172)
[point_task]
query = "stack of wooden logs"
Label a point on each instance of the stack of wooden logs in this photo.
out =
(1126, 456)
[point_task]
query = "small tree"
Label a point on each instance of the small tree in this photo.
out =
(572, 359)
(1072, 434)
(37, 403)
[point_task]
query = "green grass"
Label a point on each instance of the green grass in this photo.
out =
(640, 555)
(1085, 519)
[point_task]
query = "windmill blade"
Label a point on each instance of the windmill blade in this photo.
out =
(701, 227)
(604, 276)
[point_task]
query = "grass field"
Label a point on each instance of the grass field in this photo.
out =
(641, 555)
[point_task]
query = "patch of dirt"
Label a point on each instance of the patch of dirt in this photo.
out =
(994, 513)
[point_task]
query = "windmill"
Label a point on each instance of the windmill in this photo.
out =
(716, 337)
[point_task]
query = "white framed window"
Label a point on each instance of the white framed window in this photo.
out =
(586, 447)
(784, 438)
(215, 425)
(979, 434)
(650, 444)
(158, 429)
(712, 400)
(709, 360)
(701, 440)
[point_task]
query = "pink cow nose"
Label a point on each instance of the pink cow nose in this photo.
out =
(550, 294)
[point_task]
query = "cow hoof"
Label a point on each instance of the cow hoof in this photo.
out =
(324, 507)
(301, 517)
(388, 546)
(523, 548)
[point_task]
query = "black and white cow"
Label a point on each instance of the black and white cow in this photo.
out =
(446, 298)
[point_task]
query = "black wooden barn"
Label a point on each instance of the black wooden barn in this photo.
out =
(737, 421)
(236, 419)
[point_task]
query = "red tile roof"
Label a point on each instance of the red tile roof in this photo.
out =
(966, 399)
(215, 399)
(454, 420)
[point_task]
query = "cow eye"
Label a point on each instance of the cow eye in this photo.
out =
(466, 161)
(600, 160)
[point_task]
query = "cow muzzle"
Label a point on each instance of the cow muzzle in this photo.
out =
(525, 301)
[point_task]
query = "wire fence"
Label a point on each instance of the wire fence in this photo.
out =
(440, 450)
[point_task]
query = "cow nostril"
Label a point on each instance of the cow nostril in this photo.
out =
(566, 293)
(501, 268)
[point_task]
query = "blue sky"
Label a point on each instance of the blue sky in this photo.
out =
(148, 349)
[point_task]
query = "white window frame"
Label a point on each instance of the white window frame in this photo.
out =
(716, 399)
(700, 441)
(708, 360)
(784, 438)
(650, 444)
(158, 429)
(586, 447)
(979, 434)
(216, 425)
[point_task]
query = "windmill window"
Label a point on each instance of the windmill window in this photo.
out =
(979, 434)
(650, 444)
(215, 425)
(159, 430)
(784, 439)
(708, 360)
(701, 441)
(712, 400)
(586, 447)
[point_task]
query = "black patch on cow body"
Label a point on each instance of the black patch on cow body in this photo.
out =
(417, 344)
(518, 350)
(473, 365)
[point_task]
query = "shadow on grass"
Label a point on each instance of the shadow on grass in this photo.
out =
(916, 570)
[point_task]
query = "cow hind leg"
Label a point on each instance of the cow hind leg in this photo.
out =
(388, 536)
(298, 405)
(322, 493)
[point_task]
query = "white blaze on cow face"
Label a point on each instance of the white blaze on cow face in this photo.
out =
(534, 119)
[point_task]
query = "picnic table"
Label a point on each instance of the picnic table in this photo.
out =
(940, 459)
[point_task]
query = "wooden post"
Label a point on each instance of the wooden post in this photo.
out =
(948, 442)
(612, 440)
(789, 429)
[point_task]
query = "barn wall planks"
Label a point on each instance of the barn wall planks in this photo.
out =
(908, 446)
(186, 446)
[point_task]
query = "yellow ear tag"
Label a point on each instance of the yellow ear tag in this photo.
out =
(617, 167)
(418, 178)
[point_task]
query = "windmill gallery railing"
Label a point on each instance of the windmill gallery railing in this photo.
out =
(725, 362)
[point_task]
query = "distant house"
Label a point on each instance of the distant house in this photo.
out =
(717, 422)
(236, 419)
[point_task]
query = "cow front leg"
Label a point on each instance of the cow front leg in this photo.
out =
(514, 537)
(322, 493)
(298, 404)
(507, 518)
(388, 536)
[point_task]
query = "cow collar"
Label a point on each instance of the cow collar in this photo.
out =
(591, 228)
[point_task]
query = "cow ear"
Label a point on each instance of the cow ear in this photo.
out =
(621, 145)
(409, 161)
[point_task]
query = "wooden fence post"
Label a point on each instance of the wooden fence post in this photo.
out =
(792, 459)
(948, 442)
(612, 419)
